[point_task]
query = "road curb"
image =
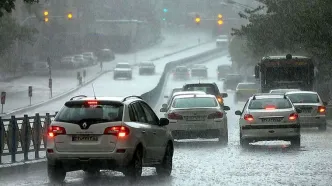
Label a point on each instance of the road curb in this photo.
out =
(23, 109)
(22, 167)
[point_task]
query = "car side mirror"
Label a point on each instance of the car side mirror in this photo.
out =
(164, 105)
(163, 122)
(163, 110)
(227, 108)
(224, 95)
(238, 112)
(165, 96)
(325, 103)
(298, 110)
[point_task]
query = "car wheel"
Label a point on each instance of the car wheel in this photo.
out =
(114, 77)
(134, 169)
(56, 173)
(322, 127)
(296, 141)
(166, 166)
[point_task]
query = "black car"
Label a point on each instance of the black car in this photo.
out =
(231, 81)
(146, 68)
(105, 55)
(223, 71)
(208, 88)
(199, 71)
(181, 73)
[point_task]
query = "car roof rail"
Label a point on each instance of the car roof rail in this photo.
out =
(125, 99)
(79, 96)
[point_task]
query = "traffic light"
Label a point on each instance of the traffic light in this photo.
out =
(198, 19)
(70, 16)
(220, 19)
(165, 10)
(46, 13)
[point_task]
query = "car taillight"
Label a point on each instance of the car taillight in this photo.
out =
(321, 109)
(119, 131)
(174, 116)
(248, 117)
(216, 115)
(55, 131)
(220, 100)
(293, 116)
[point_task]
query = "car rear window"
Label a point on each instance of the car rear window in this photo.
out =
(275, 103)
(122, 66)
(205, 88)
(194, 102)
(304, 98)
(90, 111)
(181, 70)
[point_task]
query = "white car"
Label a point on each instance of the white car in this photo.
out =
(112, 133)
(197, 116)
(123, 70)
(313, 110)
(269, 117)
(222, 40)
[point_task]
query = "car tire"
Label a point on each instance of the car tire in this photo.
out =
(296, 141)
(322, 127)
(114, 77)
(223, 138)
(140, 73)
(166, 166)
(244, 142)
(56, 173)
(134, 169)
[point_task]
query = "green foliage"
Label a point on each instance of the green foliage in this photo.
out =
(9, 5)
(295, 26)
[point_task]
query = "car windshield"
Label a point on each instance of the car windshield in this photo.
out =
(247, 86)
(204, 88)
(304, 98)
(86, 111)
(122, 66)
(194, 102)
(266, 103)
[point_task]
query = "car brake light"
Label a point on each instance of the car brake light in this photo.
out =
(270, 107)
(55, 131)
(293, 116)
(92, 102)
(119, 131)
(174, 116)
(321, 109)
(248, 117)
(216, 115)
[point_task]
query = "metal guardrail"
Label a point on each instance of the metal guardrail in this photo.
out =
(18, 135)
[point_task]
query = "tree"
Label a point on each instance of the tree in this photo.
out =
(296, 26)
(9, 5)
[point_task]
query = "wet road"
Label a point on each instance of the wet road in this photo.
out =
(202, 162)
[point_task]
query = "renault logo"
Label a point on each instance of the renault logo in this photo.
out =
(84, 125)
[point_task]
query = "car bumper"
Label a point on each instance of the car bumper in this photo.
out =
(122, 74)
(101, 160)
(193, 134)
(312, 121)
(270, 132)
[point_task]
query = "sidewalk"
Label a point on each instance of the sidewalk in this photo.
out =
(17, 90)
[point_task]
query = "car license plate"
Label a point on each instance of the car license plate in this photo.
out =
(271, 119)
(195, 118)
(306, 110)
(84, 138)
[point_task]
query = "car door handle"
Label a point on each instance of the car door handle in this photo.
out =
(143, 131)
(154, 132)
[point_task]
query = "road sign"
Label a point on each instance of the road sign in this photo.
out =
(30, 91)
(3, 98)
(50, 83)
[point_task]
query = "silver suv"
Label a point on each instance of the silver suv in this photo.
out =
(110, 133)
(269, 117)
